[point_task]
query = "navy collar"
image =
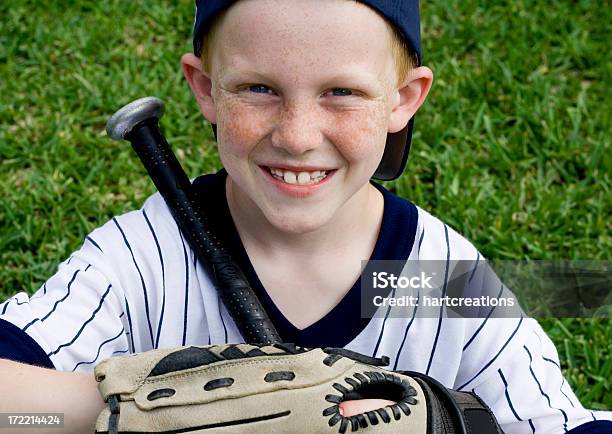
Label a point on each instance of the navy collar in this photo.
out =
(343, 323)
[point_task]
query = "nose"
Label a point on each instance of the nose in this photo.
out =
(298, 130)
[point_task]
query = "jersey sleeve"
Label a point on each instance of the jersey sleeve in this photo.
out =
(73, 321)
(78, 317)
(133, 286)
(505, 357)
(523, 382)
(514, 367)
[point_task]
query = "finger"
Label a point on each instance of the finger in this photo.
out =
(351, 408)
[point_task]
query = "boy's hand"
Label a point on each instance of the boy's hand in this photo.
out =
(351, 408)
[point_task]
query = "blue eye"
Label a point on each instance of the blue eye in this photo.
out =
(259, 88)
(340, 91)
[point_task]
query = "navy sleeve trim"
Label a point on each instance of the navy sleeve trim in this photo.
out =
(17, 345)
(593, 427)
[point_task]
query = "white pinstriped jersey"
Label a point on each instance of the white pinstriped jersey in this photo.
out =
(134, 285)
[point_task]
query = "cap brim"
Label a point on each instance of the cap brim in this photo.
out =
(396, 154)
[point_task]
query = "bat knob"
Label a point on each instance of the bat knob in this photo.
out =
(127, 117)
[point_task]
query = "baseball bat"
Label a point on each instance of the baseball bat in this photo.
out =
(137, 122)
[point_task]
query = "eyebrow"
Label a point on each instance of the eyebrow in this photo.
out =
(348, 77)
(234, 74)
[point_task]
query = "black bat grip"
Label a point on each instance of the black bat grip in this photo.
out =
(176, 189)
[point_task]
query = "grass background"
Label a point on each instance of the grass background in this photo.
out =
(512, 149)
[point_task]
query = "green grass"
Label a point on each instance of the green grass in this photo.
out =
(512, 149)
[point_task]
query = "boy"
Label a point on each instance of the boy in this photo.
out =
(307, 96)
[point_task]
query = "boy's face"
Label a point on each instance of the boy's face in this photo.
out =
(299, 87)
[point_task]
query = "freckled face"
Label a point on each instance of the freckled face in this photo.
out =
(297, 88)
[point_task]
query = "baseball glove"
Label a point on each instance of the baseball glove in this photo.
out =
(278, 388)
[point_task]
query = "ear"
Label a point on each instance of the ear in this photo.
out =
(200, 84)
(409, 97)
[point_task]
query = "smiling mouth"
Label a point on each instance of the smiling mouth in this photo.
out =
(298, 178)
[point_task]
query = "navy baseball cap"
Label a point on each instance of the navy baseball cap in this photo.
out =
(402, 14)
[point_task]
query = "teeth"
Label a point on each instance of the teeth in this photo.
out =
(290, 178)
(301, 178)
